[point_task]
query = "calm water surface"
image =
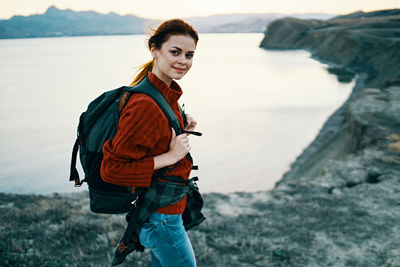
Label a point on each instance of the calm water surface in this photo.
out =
(257, 109)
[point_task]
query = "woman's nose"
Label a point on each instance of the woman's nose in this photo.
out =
(182, 59)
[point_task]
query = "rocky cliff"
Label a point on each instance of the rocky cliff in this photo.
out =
(352, 168)
(339, 205)
(363, 44)
(360, 42)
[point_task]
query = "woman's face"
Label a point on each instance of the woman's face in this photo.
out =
(174, 59)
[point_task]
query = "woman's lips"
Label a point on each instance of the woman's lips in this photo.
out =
(179, 69)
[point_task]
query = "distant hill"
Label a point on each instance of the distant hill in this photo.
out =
(374, 14)
(243, 23)
(56, 22)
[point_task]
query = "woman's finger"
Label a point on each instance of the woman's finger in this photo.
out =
(191, 123)
(188, 119)
(173, 134)
(183, 136)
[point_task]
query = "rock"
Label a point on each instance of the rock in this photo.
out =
(343, 75)
(373, 117)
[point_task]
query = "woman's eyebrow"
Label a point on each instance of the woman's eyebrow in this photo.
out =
(180, 50)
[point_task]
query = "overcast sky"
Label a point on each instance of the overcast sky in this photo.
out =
(163, 9)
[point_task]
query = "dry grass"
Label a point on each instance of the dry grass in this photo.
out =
(297, 225)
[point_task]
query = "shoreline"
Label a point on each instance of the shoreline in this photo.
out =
(332, 132)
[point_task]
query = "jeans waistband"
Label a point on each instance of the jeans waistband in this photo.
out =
(164, 217)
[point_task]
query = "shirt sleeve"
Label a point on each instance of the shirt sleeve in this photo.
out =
(126, 158)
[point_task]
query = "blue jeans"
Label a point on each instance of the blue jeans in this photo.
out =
(165, 236)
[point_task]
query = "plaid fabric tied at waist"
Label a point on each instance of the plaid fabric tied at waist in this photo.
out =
(158, 195)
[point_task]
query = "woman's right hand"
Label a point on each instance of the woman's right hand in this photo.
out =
(179, 146)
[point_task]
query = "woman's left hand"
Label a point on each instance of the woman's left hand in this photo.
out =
(191, 123)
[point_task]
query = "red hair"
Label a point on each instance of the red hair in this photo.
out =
(160, 36)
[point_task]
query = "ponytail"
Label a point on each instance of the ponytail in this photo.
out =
(144, 70)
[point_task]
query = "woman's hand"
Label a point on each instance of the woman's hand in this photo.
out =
(191, 123)
(178, 148)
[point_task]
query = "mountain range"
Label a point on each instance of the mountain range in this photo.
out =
(56, 22)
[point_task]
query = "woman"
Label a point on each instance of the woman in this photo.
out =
(145, 141)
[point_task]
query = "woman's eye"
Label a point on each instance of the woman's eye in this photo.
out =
(189, 56)
(175, 53)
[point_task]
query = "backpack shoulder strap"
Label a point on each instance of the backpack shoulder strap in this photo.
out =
(147, 88)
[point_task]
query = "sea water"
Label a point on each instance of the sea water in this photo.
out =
(257, 109)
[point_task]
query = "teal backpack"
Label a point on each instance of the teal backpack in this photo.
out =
(97, 125)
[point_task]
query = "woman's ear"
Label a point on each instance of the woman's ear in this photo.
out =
(153, 51)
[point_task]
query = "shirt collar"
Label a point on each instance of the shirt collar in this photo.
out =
(171, 93)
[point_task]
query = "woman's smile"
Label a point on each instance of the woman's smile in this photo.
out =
(179, 70)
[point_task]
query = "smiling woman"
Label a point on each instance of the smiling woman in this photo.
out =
(145, 148)
(174, 59)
